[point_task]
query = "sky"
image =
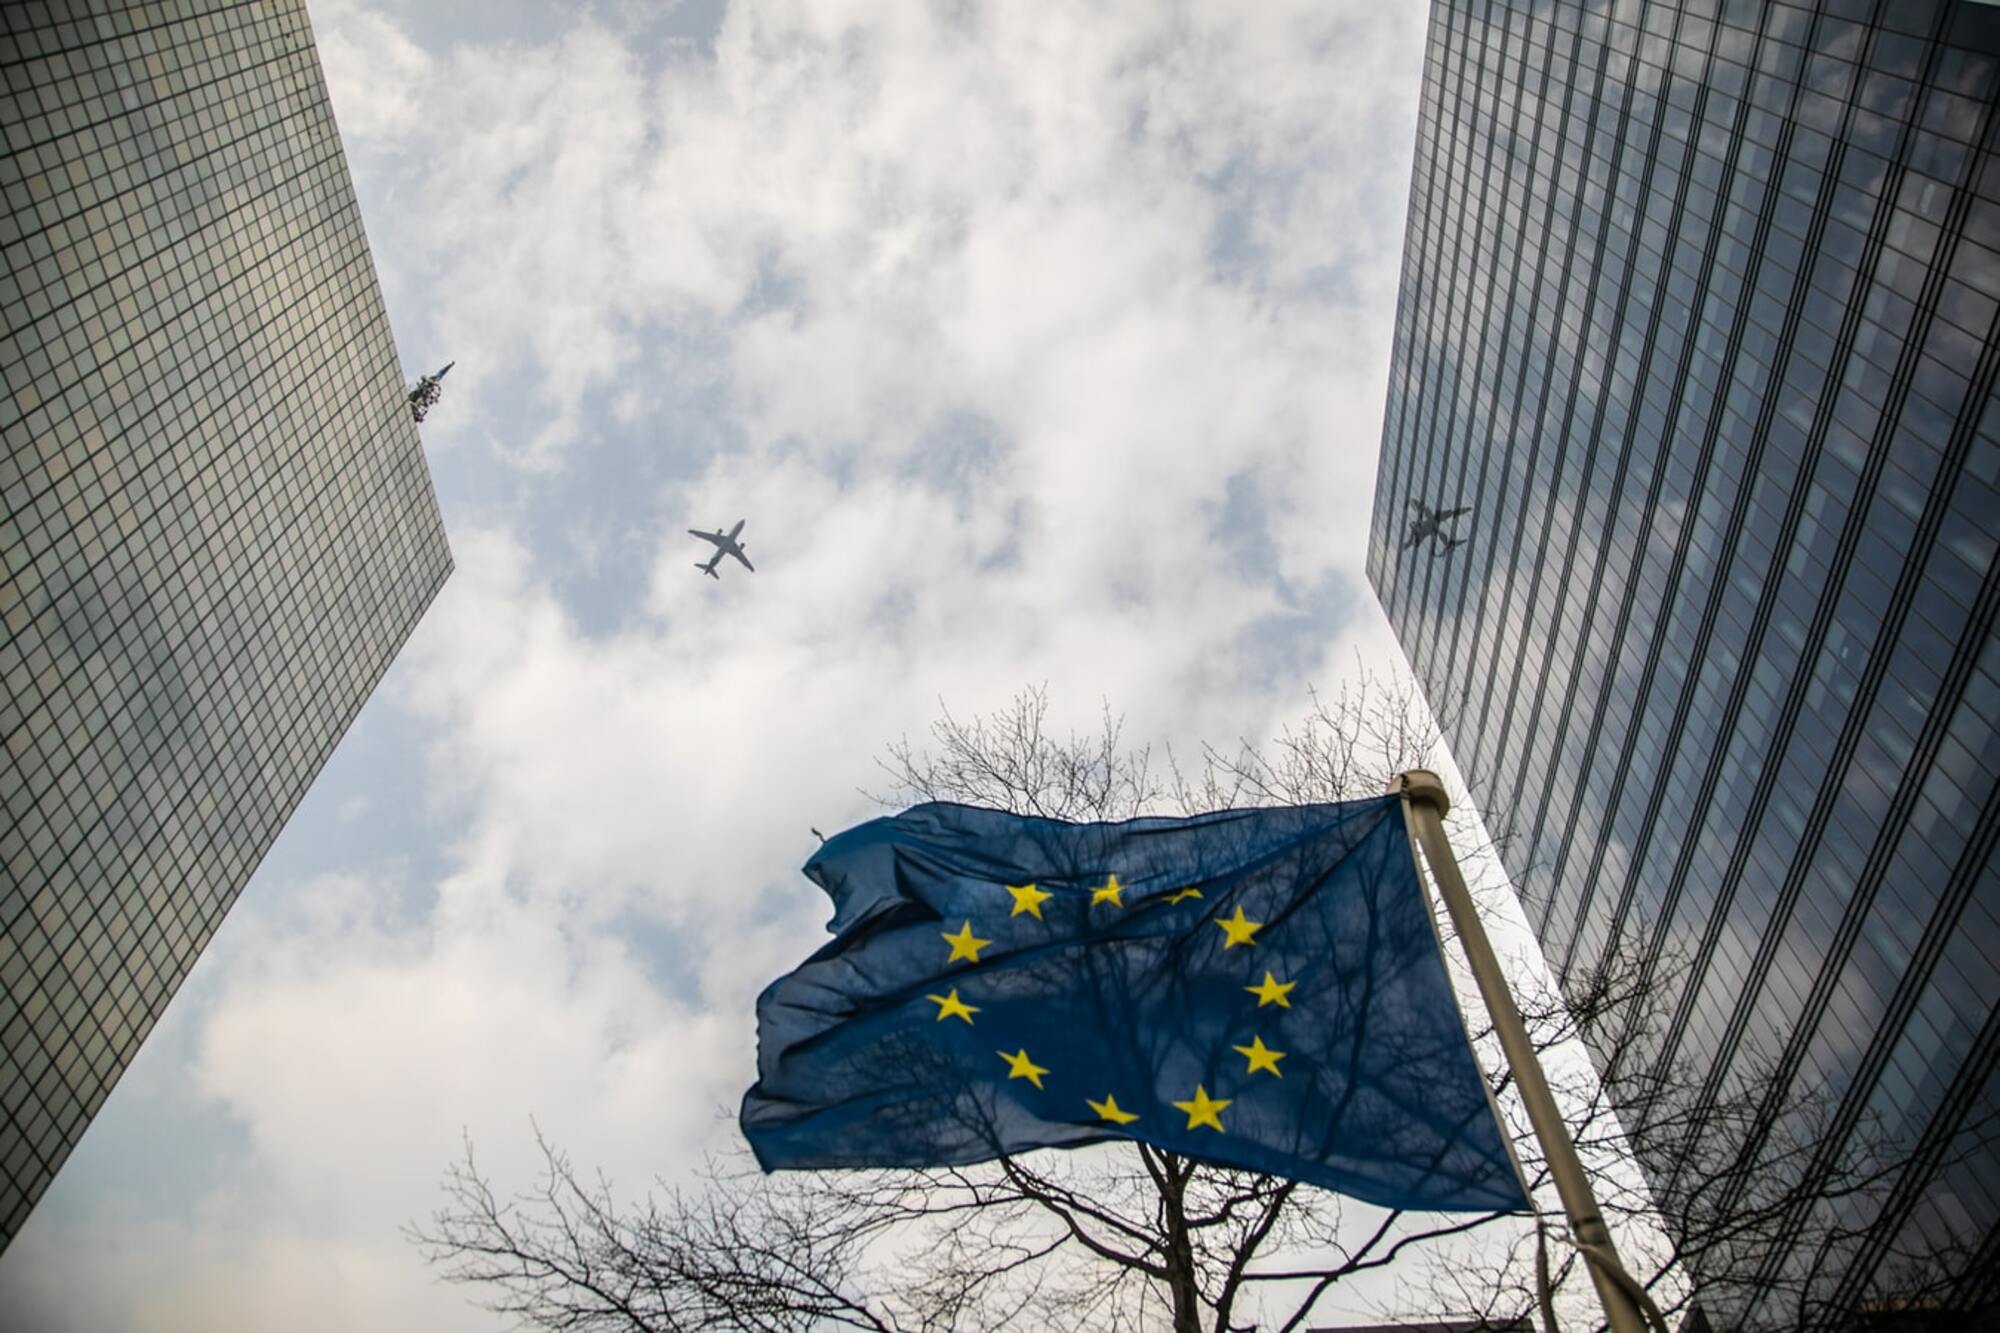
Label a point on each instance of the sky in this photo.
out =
(1037, 345)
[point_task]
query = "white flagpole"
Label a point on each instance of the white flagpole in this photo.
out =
(1424, 806)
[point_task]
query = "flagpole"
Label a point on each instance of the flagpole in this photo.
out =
(1424, 805)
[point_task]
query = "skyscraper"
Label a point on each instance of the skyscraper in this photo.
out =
(218, 525)
(1697, 321)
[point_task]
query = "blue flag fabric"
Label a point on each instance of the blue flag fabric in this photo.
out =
(1256, 988)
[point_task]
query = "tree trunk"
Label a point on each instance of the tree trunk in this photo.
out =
(1180, 1252)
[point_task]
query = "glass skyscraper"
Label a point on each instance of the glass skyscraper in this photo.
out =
(218, 525)
(1697, 322)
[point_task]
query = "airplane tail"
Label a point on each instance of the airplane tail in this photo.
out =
(708, 570)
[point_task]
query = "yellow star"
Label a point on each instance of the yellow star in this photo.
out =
(965, 944)
(950, 1006)
(1108, 893)
(1273, 991)
(1202, 1110)
(1109, 1109)
(1029, 899)
(1261, 1056)
(1020, 1066)
(1240, 930)
(1183, 895)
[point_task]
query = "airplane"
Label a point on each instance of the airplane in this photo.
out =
(1429, 525)
(425, 393)
(725, 544)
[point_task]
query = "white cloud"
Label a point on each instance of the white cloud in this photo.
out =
(376, 76)
(989, 311)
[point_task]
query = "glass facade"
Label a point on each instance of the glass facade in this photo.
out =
(1697, 317)
(216, 523)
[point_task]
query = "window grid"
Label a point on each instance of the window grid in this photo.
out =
(216, 525)
(1698, 312)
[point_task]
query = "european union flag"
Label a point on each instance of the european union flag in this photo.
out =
(1257, 988)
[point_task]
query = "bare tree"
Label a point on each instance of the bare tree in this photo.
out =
(1743, 1208)
(1116, 1236)
(1128, 1236)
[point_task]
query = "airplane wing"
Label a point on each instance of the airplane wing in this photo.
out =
(1454, 513)
(744, 558)
(715, 537)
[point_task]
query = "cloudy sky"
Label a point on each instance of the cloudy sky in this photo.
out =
(1036, 344)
